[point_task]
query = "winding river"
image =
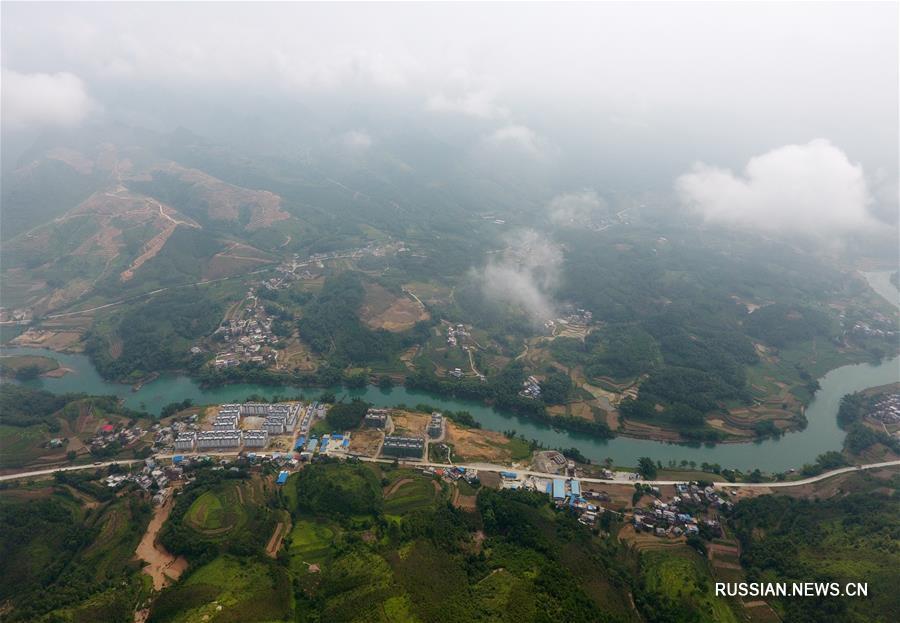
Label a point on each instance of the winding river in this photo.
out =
(791, 450)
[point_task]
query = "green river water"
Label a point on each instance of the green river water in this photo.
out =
(791, 450)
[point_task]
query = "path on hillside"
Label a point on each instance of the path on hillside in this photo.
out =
(151, 293)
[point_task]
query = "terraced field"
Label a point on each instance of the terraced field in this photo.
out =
(215, 513)
(311, 542)
(413, 494)
(679, 573)
(227, 589)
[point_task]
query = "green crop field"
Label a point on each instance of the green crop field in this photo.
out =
(21, 444)
(217, 512)
(227, 590)
(680, 574)
(311, 542)
(419, 493)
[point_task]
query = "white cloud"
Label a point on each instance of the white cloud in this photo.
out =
(525, 274)
(805, 189)
(575, 209)
(43, 99)
(478, 104)
(357, 140)
(518, 136)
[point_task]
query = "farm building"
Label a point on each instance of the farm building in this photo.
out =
(403, 447)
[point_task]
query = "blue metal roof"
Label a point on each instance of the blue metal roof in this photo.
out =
(282, 478)
(575, 486)
(508, 475)
(559, 488)
(345, 443)
(311, 446)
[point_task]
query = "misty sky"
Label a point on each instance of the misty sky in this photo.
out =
(603, 96)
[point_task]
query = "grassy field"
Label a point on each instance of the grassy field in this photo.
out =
(215, 513)
(227, 590)
(311, 542)
(680, 574)
(415, 494)
(22, 444)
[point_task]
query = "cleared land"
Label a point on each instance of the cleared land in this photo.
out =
(162, 566)
(383, 310)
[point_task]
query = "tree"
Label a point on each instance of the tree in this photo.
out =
(71, 455)
(647, 468)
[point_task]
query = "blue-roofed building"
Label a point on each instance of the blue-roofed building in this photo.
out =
(575, 487)
(549, 488)
(177, 459)
(282, 478)
(311, 446)
(559, 489)
(300, 441)
(336, 436)
(509, 475)
(345, 443)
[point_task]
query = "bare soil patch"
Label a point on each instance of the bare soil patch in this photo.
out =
(275, 542)
(162, 566)
(477, 444)
(410, 424)
(365, 442)
(383, 310)
(52, 340)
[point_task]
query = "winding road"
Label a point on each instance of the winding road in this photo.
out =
(490, 467)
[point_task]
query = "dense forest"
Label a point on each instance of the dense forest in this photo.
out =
(332, 327)
(851, 538)
(60, 561)
(155, 336)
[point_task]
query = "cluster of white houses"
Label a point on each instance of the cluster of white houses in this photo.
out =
(226, 433)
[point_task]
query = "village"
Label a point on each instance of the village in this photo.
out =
(282, 435)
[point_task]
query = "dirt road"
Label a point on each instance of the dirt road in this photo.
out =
(162, 566)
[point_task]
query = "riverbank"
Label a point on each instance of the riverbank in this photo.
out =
(791, 450)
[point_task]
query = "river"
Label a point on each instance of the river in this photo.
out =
(880, 281)
(791, 450)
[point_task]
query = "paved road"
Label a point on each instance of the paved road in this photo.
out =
(67, 468)
(624, 480)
